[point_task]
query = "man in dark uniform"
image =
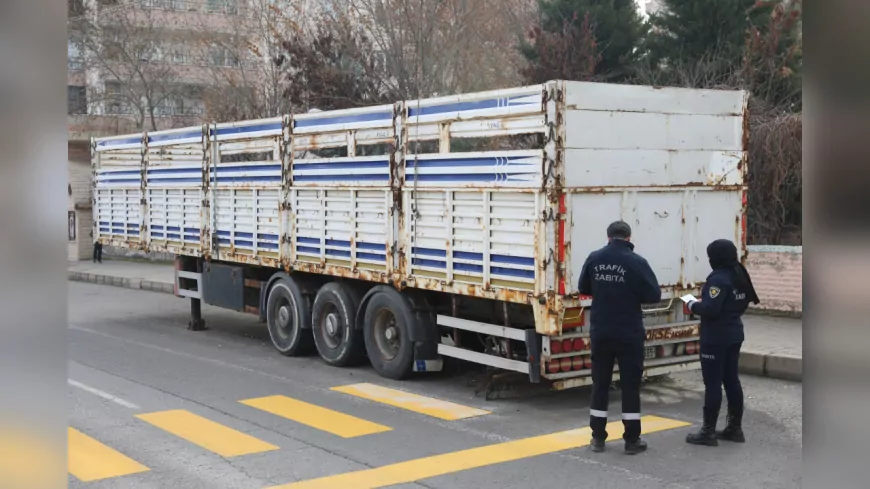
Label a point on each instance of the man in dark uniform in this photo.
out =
(619, 281)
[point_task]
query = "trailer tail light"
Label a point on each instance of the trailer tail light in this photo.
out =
(691, 348)
(565, 364)
(579, 344)
(555, 347)
(567, 345)
(587, 361)
(686, 310)
(577, 363)
(573, 318)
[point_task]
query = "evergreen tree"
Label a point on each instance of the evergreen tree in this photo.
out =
(686, 32)
(618, 26)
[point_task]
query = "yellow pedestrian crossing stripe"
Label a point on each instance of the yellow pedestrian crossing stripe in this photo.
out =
(212, 436)
(90, 460)
(343, 425)
(424, 468)
(412, 402)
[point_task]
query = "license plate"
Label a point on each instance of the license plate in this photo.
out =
(649, 352)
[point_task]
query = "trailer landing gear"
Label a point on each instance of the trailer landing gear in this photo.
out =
(196, 323)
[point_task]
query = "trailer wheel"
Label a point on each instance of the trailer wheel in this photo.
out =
(287, 311)
(333, 323)
(387, 326)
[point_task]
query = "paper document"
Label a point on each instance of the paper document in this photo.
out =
(688, 298)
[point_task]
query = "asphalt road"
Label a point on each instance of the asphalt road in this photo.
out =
(153, 405)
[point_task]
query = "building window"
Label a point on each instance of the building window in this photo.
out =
(222, 6)
(76, 100)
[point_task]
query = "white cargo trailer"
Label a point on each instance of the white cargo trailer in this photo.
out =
(452, 226)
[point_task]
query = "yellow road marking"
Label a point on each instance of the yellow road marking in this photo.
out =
(343, 425)
(424, 468)
(412, 402)
(224, 441)
(90, 460)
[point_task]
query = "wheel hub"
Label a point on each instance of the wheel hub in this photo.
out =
(390, 333)
(332, 325)
(283, 316)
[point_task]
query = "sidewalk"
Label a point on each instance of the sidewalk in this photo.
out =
(773, 347)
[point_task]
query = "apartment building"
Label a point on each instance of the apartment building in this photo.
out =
(145, 64)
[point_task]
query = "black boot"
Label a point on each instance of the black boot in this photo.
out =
(635, 447)
(733, 430)
(707, 435)
(596, 445)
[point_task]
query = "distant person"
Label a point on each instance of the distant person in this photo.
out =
(98, 250)
(619, 281)
(724, 298)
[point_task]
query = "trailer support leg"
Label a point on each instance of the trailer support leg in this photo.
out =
(197, 323)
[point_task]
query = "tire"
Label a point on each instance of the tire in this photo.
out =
(333, 324)
(287, 314)
(388, 322)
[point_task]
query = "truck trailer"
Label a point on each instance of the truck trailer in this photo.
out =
(453, 226)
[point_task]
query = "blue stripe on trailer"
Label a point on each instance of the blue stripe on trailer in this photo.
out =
(191, 230)
(121, 180)
(342, 166)
(306, 249)
(244, 242)
(465, 255)
(156, 235)
(420, 262)
(428, 251)
(271, 246)
(175, 180)
(118, 172)
(302, 239)
(466, 267)
(118, 142)
(267, 236)
(173, 236)
(370, 246)
(466, 162)
(240, 234)
(337, 242)
(159, 138)
(191, 237)
(223, 241)
(479, 177)
(340, 178)
(371, 256)
(510, 272)
(512, 260)
(275, 178)
(343, 119)
(223, 233)
(492, 103)
(269, 126)
(338, 253)
(172, 171)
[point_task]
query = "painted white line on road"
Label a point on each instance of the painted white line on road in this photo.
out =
(104, 395)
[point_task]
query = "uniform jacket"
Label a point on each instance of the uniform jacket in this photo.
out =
(619, 281)
(720, 308)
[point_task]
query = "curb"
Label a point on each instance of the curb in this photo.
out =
(127, 283)
(776, 366)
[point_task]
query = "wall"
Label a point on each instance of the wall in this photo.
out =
(79, 201)
(777, 274)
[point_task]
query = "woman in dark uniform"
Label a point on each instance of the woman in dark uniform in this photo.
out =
(724, 298)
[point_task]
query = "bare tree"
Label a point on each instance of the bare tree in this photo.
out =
(441, 47)
(125, 61)
(251, 82)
